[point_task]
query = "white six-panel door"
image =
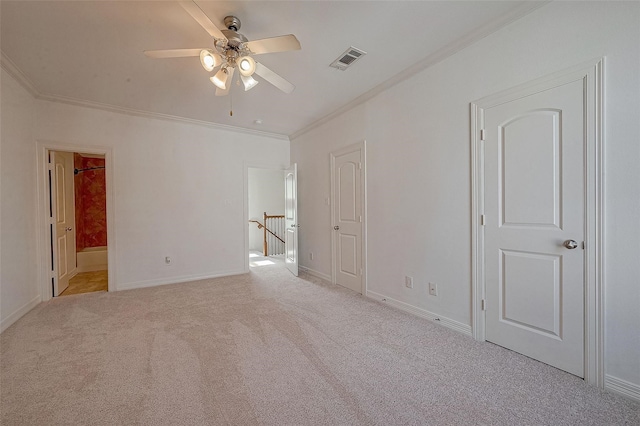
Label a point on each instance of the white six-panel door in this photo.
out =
(534, 183)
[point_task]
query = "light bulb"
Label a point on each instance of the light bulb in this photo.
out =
(246, 65)
(248, 81)
(209, 59)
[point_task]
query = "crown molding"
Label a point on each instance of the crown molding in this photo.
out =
(441, 54)
(157, 115)
(11, 68)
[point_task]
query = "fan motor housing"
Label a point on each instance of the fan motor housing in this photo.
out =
(235, 39)
(232, 23)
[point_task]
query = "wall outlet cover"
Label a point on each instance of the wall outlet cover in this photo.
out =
(433, 289)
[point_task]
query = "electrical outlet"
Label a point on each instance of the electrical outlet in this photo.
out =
(433, 289)
(167, 260)
(408, 281)
(311, 256)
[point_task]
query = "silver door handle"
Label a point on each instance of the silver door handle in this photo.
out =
(336, 227)
(68, 229)
(570, 244)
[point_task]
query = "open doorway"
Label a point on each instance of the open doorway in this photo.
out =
(266, 204)
(78, 208)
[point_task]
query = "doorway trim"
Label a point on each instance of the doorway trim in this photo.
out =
(47, 268)
(246, 166)
(362, 148)
(592, 75)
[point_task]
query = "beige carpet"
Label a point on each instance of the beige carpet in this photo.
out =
(268, 348)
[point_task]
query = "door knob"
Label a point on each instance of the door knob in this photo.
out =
(68, 229)
(570, 244)
(336, 227)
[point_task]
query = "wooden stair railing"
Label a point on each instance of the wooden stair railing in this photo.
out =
(265, 246)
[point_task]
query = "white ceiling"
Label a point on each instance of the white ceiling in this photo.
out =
(93, 51)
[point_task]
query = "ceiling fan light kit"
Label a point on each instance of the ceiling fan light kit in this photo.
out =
(231, 50)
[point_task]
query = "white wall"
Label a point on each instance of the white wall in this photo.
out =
(266, 194)
(179, 189)
(418, 165)
(19, 291)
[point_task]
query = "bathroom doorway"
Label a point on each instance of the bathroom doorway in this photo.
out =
(79, 209)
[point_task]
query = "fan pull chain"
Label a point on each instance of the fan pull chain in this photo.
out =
(230, 104)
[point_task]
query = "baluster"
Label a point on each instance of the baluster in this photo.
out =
(264, 237)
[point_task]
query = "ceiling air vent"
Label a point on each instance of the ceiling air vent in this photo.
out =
(345, 60)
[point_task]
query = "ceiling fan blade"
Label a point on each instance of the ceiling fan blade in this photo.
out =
(274, 78)
(196, 13)
(274, 44)
(172, 53)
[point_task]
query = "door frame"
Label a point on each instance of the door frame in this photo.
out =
(362, 148)
(246, 166)
(47, 265)
(592, 75)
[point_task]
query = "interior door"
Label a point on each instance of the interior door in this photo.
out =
(534, 225)
(64, 210)
(347, 218)
(291, 219)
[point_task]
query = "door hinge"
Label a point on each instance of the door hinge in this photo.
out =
(483, 305)
(482, 220)
(360, 219)
(359, 166)
(481, 134)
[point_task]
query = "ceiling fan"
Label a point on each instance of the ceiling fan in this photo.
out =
(232, 50)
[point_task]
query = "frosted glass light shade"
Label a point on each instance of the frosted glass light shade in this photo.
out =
(220, 79)
(248, 81)
(246, 65)
(209, 59)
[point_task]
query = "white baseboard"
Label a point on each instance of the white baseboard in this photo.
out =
(622, 387)
(315, 273)
(176, 280)
(446, 322)
(6, 323)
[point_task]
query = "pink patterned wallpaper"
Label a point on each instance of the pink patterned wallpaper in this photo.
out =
(91, 203)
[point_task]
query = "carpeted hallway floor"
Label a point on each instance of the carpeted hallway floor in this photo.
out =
(267, 348)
